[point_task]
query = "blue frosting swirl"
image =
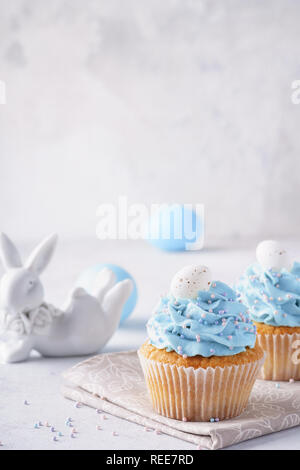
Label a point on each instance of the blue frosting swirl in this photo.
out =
(272, 297)
(214, 324)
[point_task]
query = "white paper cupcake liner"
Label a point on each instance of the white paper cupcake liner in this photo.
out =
(281, 356)
(199, 394)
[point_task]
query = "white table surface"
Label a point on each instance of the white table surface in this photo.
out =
(39, 380)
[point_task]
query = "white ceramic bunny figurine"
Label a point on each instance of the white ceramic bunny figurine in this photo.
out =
(82, 326)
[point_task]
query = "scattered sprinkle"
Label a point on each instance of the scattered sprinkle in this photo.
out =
(60, 434)
(55, 439)
(99, 412)
(184, 419)
(36, 426)
(78, 404)
(114, 433)
(158, 432)
(26, 403)
(53, 429)
(98, 428)
(277, 385)
(212, 420)
(291, 381)
(72, 436)
(217, 420)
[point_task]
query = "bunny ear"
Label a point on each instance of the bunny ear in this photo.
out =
(9, 253)
(42, 254)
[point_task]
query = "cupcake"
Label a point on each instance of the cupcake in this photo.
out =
(200, 361)
(270, 289)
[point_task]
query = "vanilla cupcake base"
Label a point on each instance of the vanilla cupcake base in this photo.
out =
(282, 361)
(189, 394)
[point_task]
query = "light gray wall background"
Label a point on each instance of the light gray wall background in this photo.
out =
(162, 101)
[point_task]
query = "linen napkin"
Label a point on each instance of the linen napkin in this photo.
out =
(115, 384)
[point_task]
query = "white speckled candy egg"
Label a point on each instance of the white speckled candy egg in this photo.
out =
(189, 281)
(271, 255)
